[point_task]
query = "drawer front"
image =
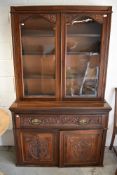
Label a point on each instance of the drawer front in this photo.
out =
(58, 121)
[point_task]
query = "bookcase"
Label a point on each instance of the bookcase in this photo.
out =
(60, 53)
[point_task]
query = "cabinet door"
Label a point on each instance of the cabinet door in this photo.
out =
(78, 148)
(83, 55)
(37, 67)
(37, 148)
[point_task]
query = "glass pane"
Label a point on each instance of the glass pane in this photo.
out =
(38, 54)
(83, 36)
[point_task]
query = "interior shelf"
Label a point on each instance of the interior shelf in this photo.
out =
(39, 77)
(83, 35)
(76, 78)
(37, 33)
(82, 53)
(37, 55)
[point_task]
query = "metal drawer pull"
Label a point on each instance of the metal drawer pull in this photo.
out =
(83, 122)
(36, 121)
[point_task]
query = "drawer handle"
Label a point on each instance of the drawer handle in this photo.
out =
(36, 121)
(83, 122)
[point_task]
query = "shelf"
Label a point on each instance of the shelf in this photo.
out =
(42, 33)
(39, 54)
(81, 95)
(83, 35)
(67, 53)
(77, 78)
(82, 53)
(40, 77)
(40, 95)
(37, 33)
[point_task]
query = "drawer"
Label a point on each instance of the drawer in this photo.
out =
(58, 121)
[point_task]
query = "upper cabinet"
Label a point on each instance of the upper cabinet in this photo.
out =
(60, 53)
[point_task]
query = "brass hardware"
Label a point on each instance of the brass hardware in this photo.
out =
(36, 121)
(105, 15)
(83, 122)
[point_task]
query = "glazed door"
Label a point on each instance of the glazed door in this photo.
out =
(37, 148)
(82, 55)
(79, 148)
(60, 56)
(37, 39)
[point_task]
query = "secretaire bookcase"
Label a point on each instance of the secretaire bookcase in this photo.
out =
(60, 53)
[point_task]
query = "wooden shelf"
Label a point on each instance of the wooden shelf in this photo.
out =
(42, 33)
(37, 33)
(81, 95)
(36, 54)
(83, 35)
(41, 95)
(39, 77)
(67, 53)
(82, 53)
(77, 78)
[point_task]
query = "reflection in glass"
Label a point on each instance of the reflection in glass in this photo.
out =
(38, 54)
(82, 56)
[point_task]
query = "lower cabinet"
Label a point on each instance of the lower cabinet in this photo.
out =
(37, 148)
(80, 147)
(59, 148)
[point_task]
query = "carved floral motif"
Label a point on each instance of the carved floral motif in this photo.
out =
(80, 148)
(58, 121)
(50, 17)
(38, 147)
(75, 18)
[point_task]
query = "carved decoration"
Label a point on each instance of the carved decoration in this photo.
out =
(75, 18)
(80, 148)
(58, 121)
(50, 17)
(38, 147)
(98, 18)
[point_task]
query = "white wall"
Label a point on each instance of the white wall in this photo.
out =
(7, 89)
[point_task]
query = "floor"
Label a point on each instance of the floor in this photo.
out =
(7, 166)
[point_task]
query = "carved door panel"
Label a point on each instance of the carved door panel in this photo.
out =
(80, 147)
(37, 147)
